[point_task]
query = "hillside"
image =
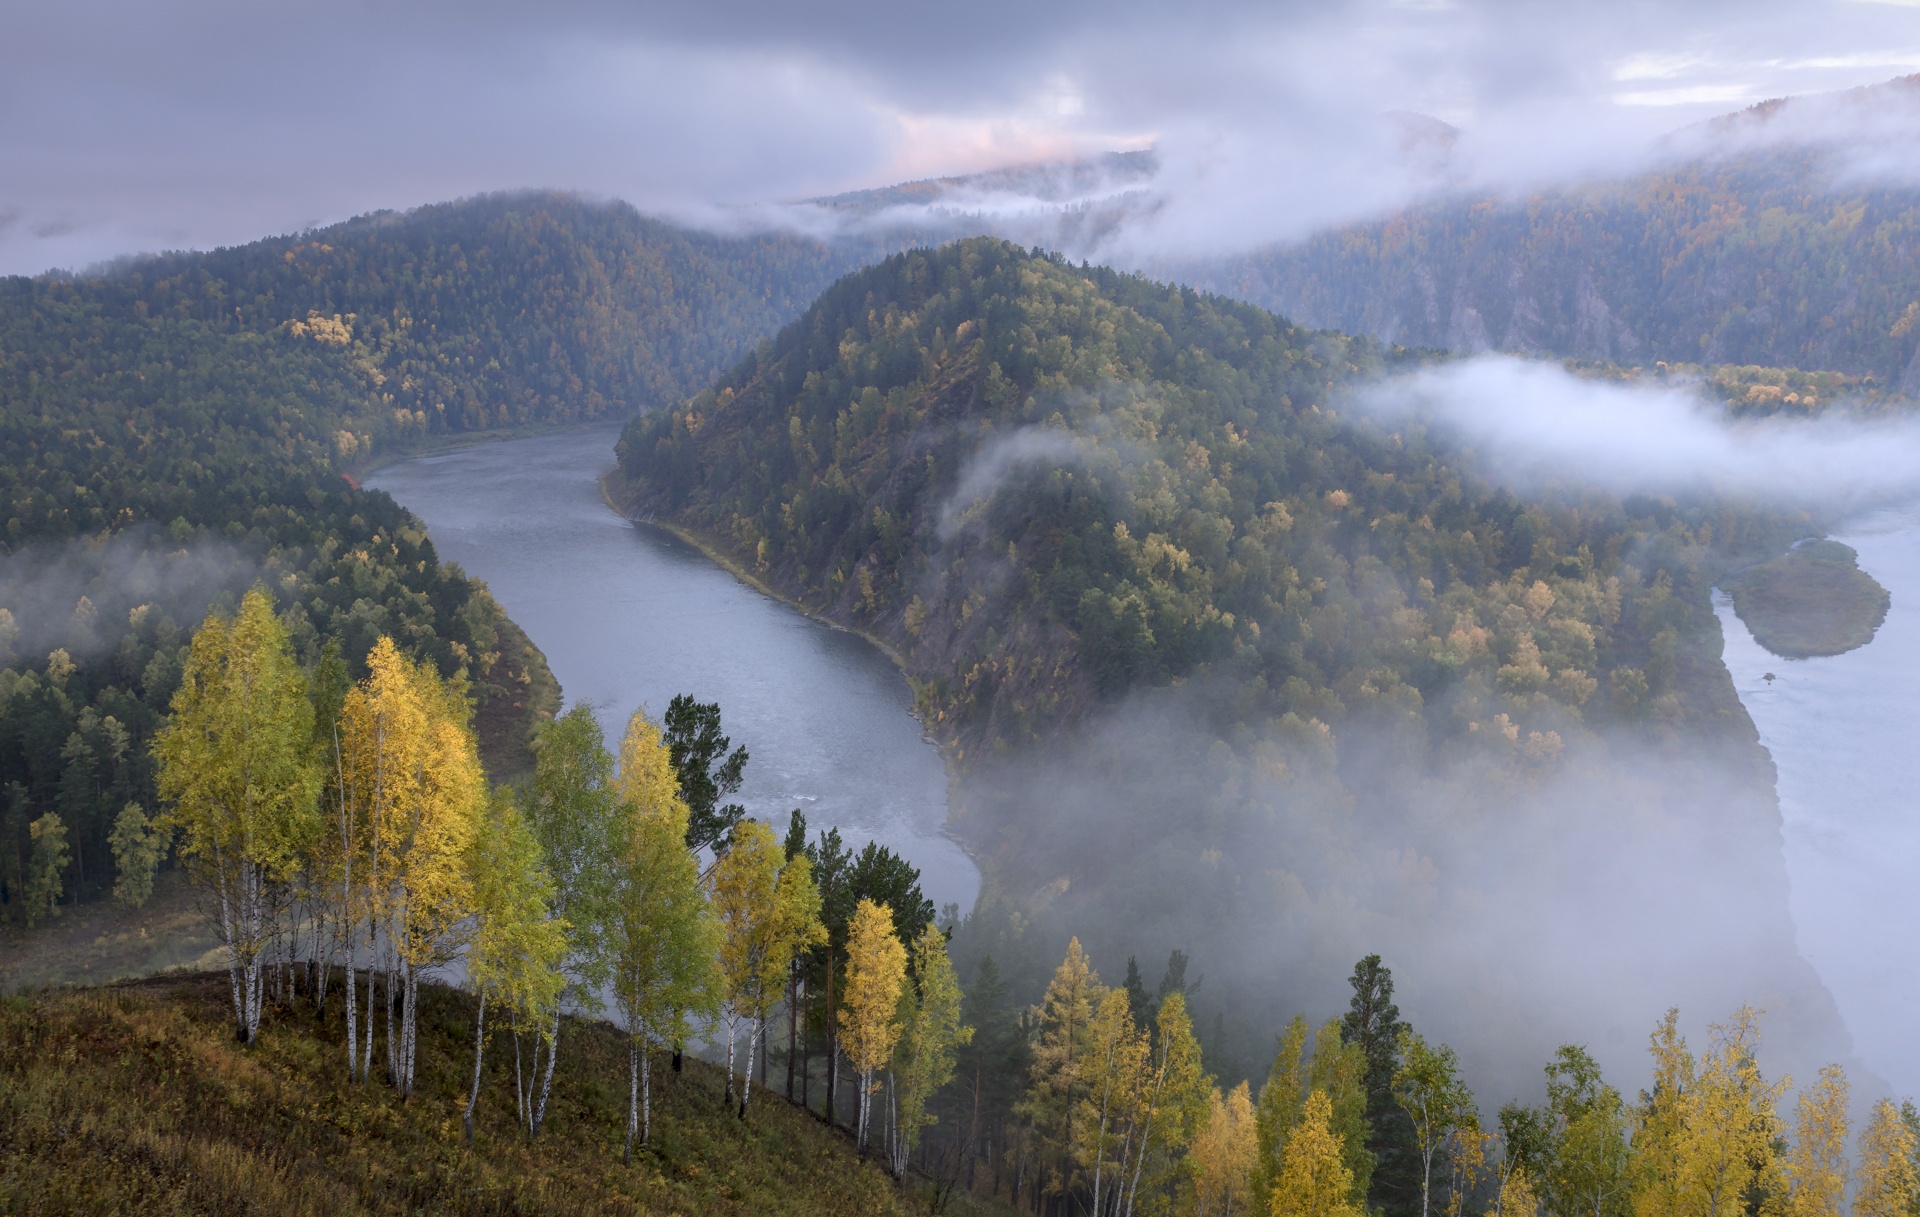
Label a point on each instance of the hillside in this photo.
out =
(135, 1098)
(1780, 255)
(176, 428)
(1216, 651)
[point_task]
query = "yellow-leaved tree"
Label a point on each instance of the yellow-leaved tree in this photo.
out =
(1314, 1181)
(1888, 1183)
(930, 1030)
(515, 949)
(1710, 1133)
(238, 775)
(876, 968)
(1225, 1155)
(1059, 1052)
(769, 912)
(1817, 1167)
(1338, 1070)
(662, 936)
(412, 761)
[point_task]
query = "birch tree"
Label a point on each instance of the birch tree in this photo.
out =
(662, 935)
(1888, 1183)
(1313, 1182)
(571, 813)
(514, 953)
(769, 913)
(1817, 1167)
(930, 1031)
(1428, 1087)
(237, 773)
(1225, 1155)
(876, 968)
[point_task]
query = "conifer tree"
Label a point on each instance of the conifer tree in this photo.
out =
(876, 968)
(516, 947)
(1372, 1023)
(1889, 1186)
(237, 772)
(930, 1032)
(662, 934)
(137, 846)
(1313, 1180)
(1059, 1049)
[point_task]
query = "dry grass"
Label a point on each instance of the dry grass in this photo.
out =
(98, 942)
(135, 1098)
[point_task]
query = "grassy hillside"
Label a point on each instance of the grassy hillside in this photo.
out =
(134, 1098)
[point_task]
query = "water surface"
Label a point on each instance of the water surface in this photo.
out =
(1845, 739)
(629, 616)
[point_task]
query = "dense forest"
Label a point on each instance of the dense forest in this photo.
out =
(1149, 528)
(1774, 257)
(175, 428)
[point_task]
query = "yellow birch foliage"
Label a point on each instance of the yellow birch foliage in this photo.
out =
(1708, 1138)
(1889, 1186)
(516, 950)
(1225, 1155)
(1115, 1069)
(1314, 1182)
(646, 778)
(1517, 1198)
(1817, 1167)
(876, 968)
(1657, 1140)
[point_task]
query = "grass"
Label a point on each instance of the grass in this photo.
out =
(98, 942)
(1812, 600)
(134, 1097)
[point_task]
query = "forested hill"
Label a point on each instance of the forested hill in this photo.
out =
(1051, 485)
(176, 428)
(1773, 257)
(1231, 668)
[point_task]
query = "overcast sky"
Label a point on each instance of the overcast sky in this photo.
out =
(128, 126)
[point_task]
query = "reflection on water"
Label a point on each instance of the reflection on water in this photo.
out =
(1842, 731)
(628, 616)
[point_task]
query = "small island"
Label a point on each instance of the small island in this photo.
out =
(1812, 600)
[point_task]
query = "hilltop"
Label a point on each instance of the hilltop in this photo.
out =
(134, 1097)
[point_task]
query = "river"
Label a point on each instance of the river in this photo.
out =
(628, 615)
(1842, 731)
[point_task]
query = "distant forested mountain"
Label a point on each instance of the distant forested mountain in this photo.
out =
(1770, 258)
(178, 427)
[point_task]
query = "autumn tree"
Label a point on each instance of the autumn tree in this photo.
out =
(46, 866)
(1059, 1051)
(1817, 1168)
(1338, 1070)
(930, 1032)
(769, 911)
(516, 947)
(1888, 1185)
(237, 773)
(1708, 1135)
(411, 752)
(663, 938)
(876, 969)
(571, 814)
(1428, 1087)
(1225, 1155)
(137, 848)
(1313, 1182)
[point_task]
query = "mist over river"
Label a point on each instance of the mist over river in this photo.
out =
(628, 615)
(1845, 739)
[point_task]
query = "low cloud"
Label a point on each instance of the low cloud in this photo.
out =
(1533, 426)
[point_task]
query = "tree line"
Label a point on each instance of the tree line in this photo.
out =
(349, 844)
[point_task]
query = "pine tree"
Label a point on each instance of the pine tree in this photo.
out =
(1372, 1024)
(876, 968)
(238, 774)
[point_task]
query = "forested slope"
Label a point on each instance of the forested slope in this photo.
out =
(1308, 685)
(1775, 258)
(175, 428)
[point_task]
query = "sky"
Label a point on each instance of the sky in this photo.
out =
(129, 127)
